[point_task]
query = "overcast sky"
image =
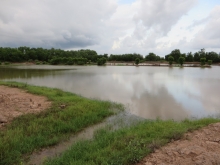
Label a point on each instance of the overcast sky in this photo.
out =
(112, 26)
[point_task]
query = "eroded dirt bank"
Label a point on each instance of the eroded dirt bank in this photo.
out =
(15, 102)
(201, 147)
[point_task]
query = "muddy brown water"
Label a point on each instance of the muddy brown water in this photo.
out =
(149, 92)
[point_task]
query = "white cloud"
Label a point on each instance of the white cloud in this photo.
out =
(50, 22)
(146, 22)
(209, 36)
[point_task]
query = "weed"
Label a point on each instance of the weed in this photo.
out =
(127, 145)
(32, 132)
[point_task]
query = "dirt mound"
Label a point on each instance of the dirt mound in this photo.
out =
(201, 147)
(15, 102)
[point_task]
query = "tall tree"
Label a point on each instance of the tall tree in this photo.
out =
(176, 54)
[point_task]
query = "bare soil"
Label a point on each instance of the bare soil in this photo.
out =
(15, 102)
(201, 147)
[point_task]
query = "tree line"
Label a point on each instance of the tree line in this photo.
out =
(52, 56)
(196, 57)
(125, 57)
(84, 56)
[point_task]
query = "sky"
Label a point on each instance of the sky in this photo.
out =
(112, 26)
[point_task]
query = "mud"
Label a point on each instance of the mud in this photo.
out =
(201, 147)
(15, 102)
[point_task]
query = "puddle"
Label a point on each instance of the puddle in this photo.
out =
(113, 122)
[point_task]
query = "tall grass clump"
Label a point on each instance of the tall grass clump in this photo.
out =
(68, 114)
(127, 146)
(7, 63)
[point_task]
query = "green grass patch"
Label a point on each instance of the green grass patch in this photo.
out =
(7, 63)
(31, 132)
(128, 145)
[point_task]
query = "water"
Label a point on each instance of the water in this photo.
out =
(148, 92)
(121, 120)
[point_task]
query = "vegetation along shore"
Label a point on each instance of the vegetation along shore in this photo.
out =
(68, 114)
(90, 57)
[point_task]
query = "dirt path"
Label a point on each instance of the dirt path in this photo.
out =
(15, 102)
(201, 147)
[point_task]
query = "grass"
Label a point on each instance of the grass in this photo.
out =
(125, 146)
(31, 132)
(128, 145)
(7, 63)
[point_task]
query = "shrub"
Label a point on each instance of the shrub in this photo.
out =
(38, 63)
(137, 61)
(210, 62)
(202, 61)
(101, 61)
(171, 59)
(181, 60)
(44, 62)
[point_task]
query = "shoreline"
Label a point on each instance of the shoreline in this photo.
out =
(133, 142)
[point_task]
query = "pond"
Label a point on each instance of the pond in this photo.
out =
(148, 92)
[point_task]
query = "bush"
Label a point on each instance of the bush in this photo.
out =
(7, 63)
(38, 63)
(181, 60)
(170, 59)
(137, 61)
(44, 62)
(210, 62)
(101, 61)
(202, 61)
(54, 61)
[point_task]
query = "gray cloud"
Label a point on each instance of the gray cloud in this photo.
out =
(161, 105)
(209, 36)
(54, 23)
(100, 24)
(198, 22)
(151, 20)
(161, 15)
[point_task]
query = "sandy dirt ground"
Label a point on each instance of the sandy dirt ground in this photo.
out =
(15, 102)
(201, 147)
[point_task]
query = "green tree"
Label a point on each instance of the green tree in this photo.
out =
(170, 59)
(212, 56)
(151, 57)
(181, 60)
(101, 61)
(202, 61)
(137, 61)
(175, 54)
(196, 57)
(202, 53)
(210, 62)
(189, 57)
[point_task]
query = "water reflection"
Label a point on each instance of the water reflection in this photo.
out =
(149, 92)
(160, 104)
(11, 73)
